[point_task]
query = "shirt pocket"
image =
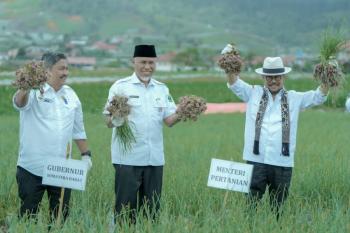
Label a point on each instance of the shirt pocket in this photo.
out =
(158, 107)
(69, 109)
(134, 101)
(135, 105)
(46, 106)
(254, 108)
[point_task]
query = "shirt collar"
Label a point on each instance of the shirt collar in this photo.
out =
(278, 95)
(135, 79)
(48, 88)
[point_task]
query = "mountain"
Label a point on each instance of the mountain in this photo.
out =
(269, 26)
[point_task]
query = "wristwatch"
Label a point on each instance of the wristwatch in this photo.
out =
(88, 153)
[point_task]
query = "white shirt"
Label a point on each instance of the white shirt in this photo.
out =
(149, 106)
(270, 144)
(347, 105)
(47, 123)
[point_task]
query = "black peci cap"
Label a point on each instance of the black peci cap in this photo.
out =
(144, 50)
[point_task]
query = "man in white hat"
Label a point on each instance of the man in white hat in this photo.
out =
(271, 128)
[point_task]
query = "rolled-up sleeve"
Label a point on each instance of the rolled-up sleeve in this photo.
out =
(312, 98)
(347, 104)
(114, 90)
(242, 89)
(170, 105)
(31, 96)
(105, 111)
(78, 128)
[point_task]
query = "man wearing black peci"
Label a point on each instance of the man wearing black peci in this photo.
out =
(139, 172)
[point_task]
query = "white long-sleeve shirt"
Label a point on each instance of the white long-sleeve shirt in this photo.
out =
(149, 107)
(347, 105)
(270, 144)
(47, 123)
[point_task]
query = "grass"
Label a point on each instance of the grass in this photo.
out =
(319, 197)
(319, 200)
(330, 45)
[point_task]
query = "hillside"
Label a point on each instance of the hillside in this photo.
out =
(263, 26)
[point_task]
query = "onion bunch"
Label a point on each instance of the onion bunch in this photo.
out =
(190, 107)
(32, 75)
(327, 71)
(120, 109)
(230, 61)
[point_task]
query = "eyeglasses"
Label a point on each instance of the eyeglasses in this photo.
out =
(276, 78)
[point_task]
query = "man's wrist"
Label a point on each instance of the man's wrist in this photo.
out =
(25, 90)
(232, 78)
(88, 153)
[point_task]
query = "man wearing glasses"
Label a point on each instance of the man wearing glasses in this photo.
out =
(271, 128)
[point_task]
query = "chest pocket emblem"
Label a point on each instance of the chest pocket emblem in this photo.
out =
(170, 99)
(64, 100)
(43, 99)
(159, 104)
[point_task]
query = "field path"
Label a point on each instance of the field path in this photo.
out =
(225, 108)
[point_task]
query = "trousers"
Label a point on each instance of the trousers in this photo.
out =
(31, 191)
(136, 187)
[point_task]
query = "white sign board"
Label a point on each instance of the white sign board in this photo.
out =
(67, 173)
(230, 175)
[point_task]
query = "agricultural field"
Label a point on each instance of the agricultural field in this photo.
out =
(319, 198)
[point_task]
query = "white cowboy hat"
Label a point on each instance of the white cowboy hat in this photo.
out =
(273, 66)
